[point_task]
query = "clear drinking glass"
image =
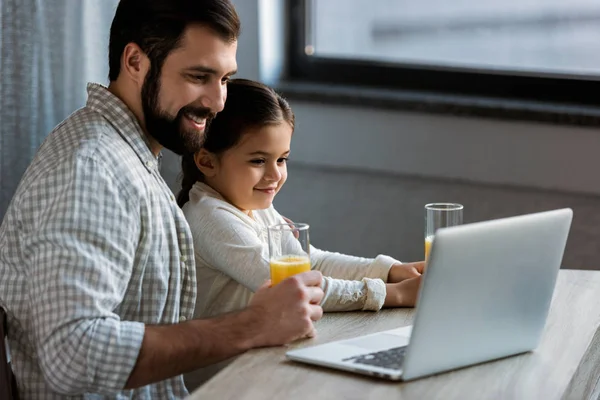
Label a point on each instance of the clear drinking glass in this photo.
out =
(289, 250)
(440, 215)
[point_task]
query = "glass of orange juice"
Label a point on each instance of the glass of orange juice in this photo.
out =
(440, 215)
(289, 250)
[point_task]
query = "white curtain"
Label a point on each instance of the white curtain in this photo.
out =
(49, 49)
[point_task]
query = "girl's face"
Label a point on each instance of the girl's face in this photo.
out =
(250, 174)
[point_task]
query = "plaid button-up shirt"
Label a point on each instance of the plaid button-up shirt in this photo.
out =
(93, 247)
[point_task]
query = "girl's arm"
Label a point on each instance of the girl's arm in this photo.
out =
(400, 290)
(230, 245)
(360, 284)
(350, 267)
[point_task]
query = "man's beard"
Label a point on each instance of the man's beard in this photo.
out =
(166, 129)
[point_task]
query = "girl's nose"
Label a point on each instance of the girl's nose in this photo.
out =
(273, 174)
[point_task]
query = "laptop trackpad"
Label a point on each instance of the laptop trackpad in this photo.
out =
(379, 341)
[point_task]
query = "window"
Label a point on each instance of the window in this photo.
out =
(519, 49)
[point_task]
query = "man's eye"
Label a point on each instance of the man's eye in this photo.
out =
(225, 80)
(200, 78)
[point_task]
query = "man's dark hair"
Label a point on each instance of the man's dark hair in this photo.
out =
(157, 26)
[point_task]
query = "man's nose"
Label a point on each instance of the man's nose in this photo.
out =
(214, 98)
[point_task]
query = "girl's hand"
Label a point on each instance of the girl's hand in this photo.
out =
(291, 223)
(400, 272)
(402, 294)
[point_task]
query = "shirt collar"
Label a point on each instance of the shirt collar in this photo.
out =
(202, 189)
(102, 101)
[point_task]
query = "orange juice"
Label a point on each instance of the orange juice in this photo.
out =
(428, 242)
(286, 266)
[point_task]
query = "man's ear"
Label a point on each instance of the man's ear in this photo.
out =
(134, 63)
(206, 162)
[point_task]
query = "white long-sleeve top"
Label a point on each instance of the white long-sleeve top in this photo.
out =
(232, 260)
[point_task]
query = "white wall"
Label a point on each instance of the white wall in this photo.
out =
(479, 150)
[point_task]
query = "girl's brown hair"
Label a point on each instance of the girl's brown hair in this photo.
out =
(249, 105)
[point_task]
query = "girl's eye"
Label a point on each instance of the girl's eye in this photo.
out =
(257, 162)
(282, 160)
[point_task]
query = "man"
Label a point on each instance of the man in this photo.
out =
(96, 259)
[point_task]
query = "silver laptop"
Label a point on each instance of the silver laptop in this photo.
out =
(485, 295)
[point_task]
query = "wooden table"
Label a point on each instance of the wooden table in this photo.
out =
(566, 365)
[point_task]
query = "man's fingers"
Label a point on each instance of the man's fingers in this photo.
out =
(316, 312)
(315, 294)
(311, 278)
(312, 333)
(265, 285)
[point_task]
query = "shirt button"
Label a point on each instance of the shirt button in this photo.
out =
(182, 319)
(149, 164)
(172, 198)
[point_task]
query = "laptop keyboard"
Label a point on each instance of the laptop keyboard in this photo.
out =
(390, 358)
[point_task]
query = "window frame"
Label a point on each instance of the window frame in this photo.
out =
(471, 82)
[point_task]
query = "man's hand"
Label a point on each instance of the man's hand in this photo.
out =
(286, 311)
(400, 272)
(402, 294)
(275, 316)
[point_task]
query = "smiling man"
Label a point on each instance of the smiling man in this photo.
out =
(96, 258)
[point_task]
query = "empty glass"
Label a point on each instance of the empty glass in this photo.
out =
(440, 215)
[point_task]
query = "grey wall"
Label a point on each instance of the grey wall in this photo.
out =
(479, 150)
(366, 214)
(361, 176)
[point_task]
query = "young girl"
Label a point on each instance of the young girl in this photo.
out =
(227, 193)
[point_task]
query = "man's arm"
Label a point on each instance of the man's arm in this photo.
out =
(80, 239)
(275, 316)
(80, 234)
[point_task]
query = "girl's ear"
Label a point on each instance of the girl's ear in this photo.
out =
(206, 163)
